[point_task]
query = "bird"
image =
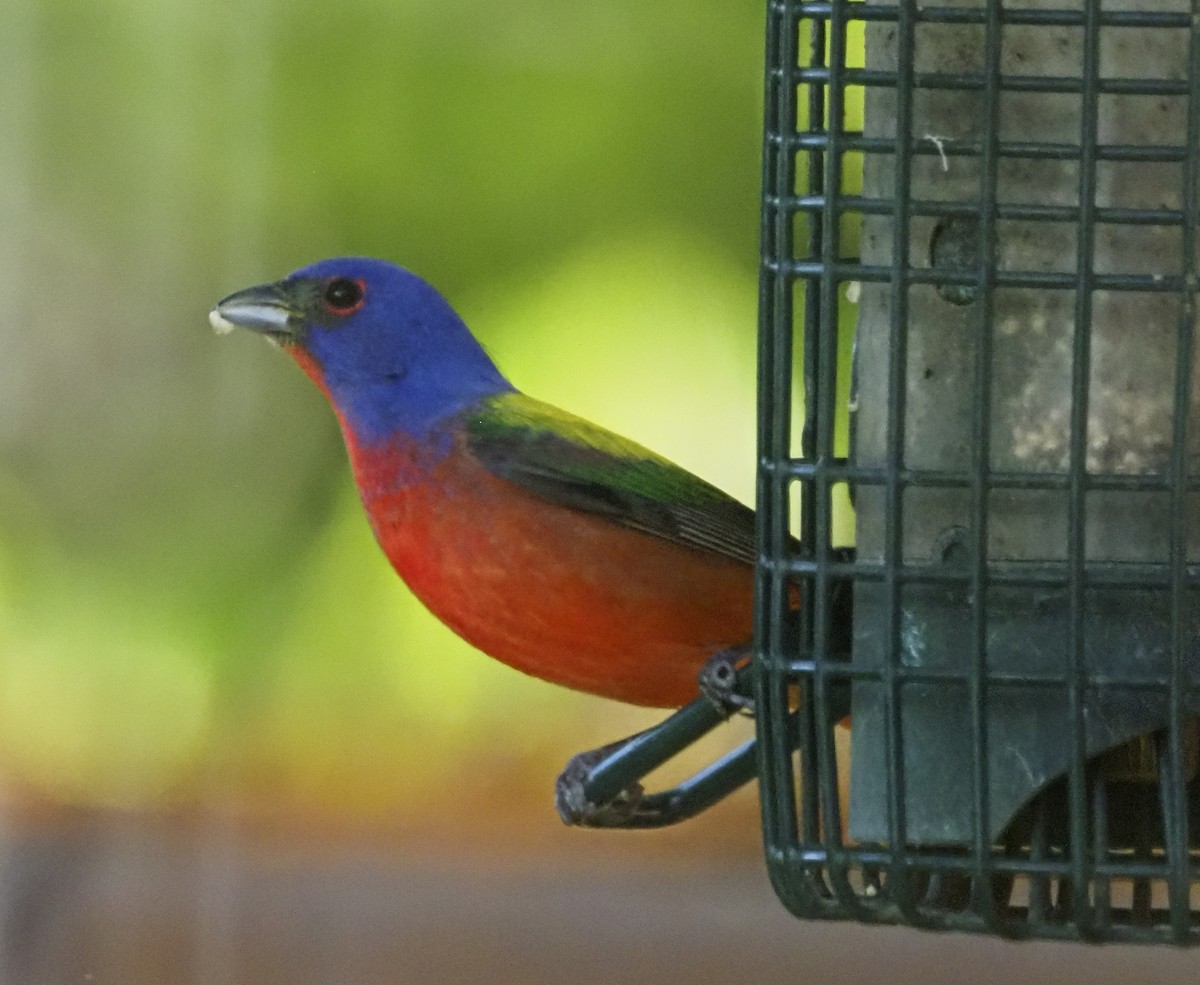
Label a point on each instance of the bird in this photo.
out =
(552, 544)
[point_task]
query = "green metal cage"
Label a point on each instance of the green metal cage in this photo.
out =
(979, 269)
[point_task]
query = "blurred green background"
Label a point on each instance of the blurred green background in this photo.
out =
(191, 605)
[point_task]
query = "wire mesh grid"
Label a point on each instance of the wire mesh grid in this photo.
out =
(998, 204)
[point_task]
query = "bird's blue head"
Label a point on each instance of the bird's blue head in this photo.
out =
(386, 347)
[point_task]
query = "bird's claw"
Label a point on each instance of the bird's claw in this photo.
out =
(573, 805)
(718, 682)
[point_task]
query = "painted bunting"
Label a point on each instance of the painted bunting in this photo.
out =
(562, 549)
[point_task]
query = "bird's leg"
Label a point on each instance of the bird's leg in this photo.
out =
(719, 681)
(571, 800)
(602, 788)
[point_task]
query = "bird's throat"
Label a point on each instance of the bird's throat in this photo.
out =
(312, 369)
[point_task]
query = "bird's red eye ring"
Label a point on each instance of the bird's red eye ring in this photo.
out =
(344, 296)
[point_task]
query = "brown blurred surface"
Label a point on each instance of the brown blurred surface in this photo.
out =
(132, 900)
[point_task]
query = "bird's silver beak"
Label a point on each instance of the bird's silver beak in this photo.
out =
(262, 309)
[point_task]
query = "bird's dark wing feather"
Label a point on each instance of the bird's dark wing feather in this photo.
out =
(569, 461)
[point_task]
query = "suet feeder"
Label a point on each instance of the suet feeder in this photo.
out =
(998, 204)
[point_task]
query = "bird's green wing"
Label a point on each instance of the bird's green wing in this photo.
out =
(570, 461)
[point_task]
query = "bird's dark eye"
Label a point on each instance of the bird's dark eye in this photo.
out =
(344, 296)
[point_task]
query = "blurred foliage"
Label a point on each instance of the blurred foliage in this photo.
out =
(190, 603)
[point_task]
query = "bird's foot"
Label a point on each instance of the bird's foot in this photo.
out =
(573, 805)
(719, 682)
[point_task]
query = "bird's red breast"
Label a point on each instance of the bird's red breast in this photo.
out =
(564, 595)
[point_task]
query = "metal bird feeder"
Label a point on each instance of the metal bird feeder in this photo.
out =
(998, 204)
